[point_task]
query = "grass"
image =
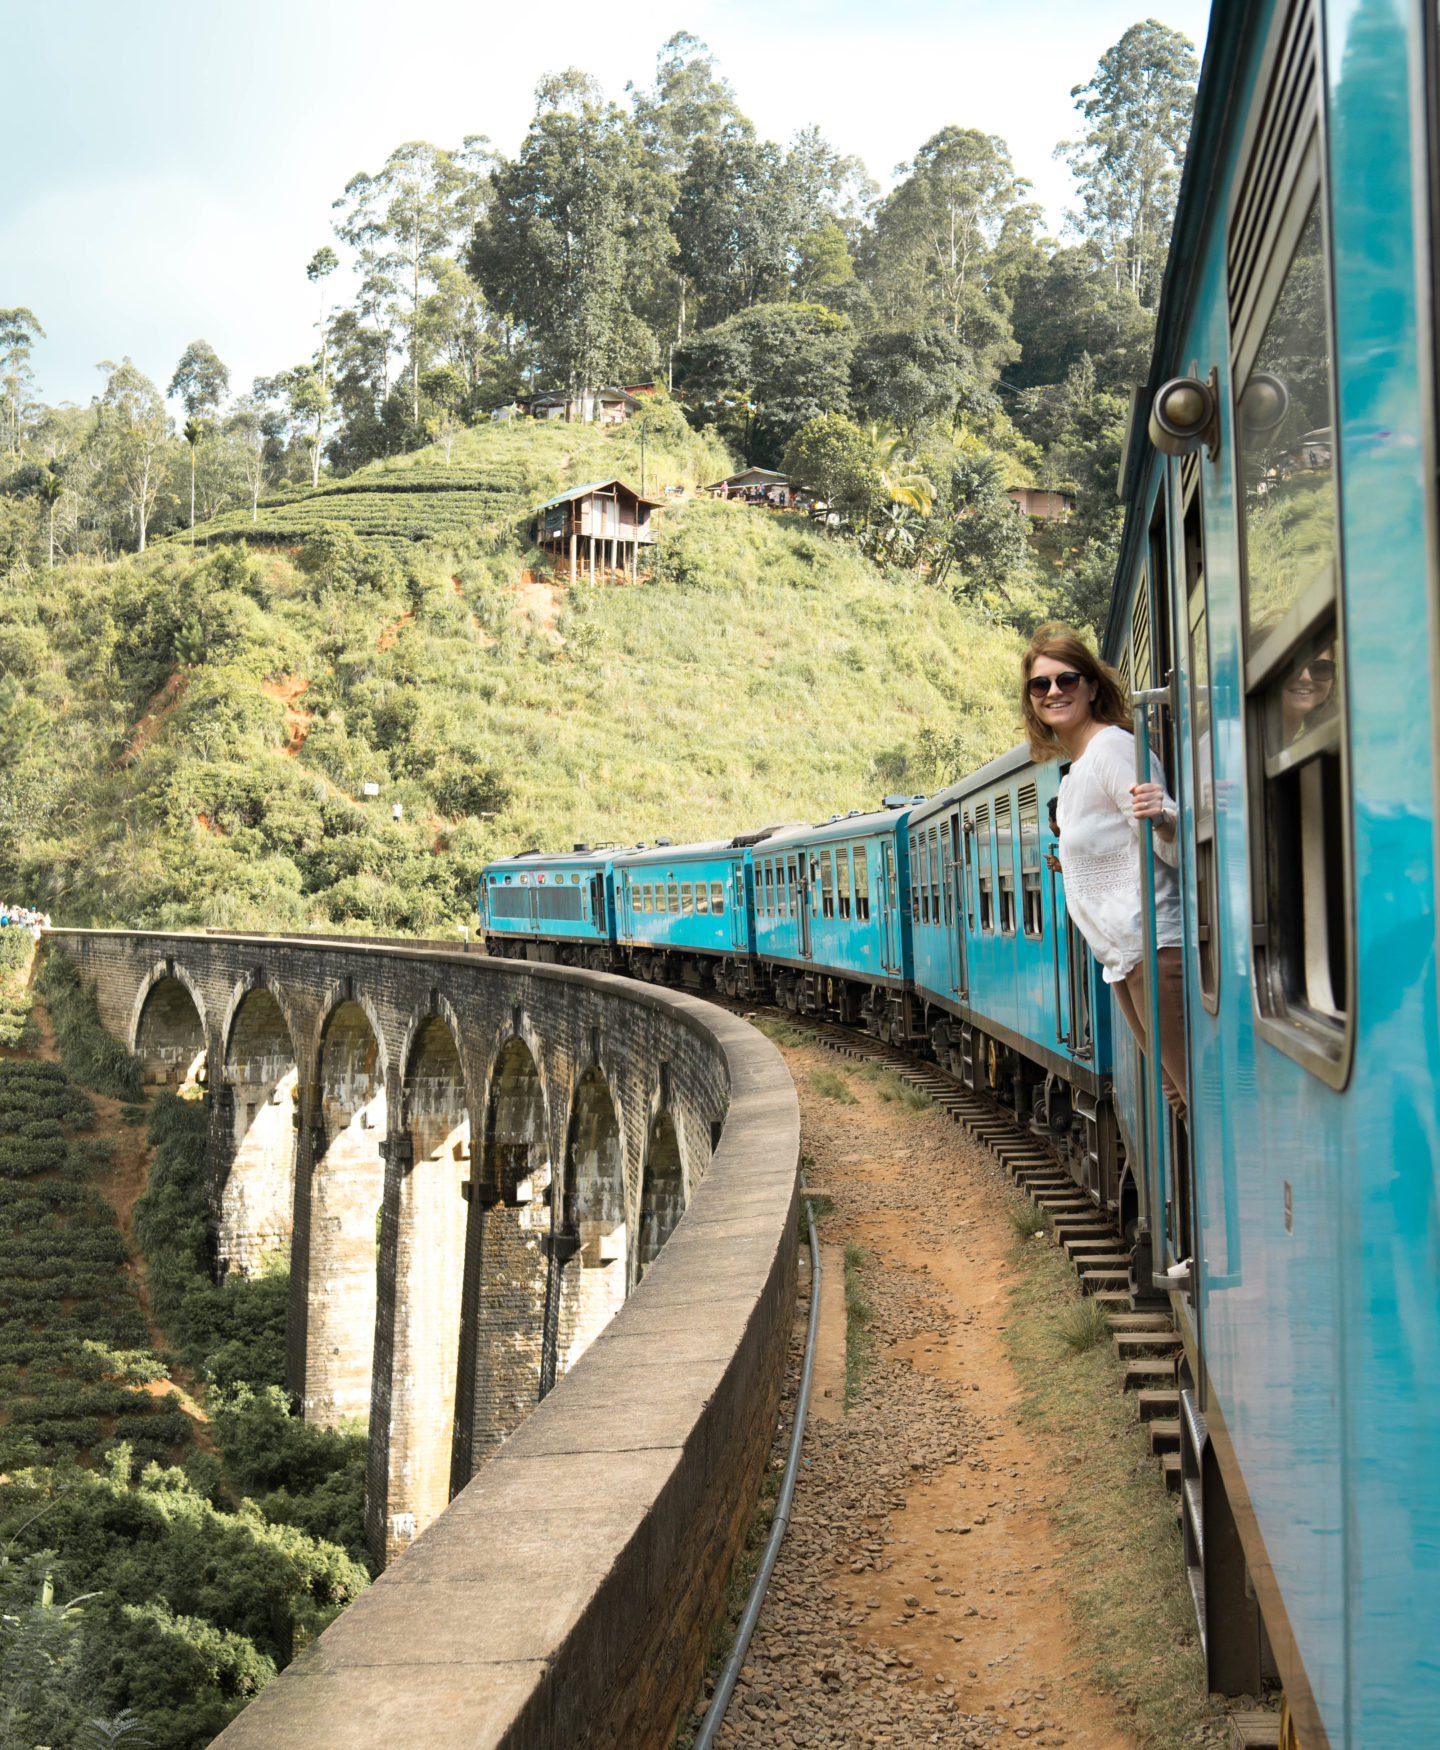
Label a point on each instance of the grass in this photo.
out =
(1083, 1326)
(1133, 1614)
(895, 1090)
(859, 1338)
(831, 1086)
(782, 1033)
(1026, 1219)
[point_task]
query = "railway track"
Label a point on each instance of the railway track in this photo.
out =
(1146, 1343)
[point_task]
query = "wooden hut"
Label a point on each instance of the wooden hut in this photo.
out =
(1045, 507)
(756, 486)
(604, 521)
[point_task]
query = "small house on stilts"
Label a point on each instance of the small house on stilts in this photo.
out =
(603, 525)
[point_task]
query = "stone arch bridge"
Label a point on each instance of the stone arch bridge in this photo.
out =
(467, 1165)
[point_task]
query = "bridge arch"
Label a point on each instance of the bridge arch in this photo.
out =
(434, 1170)
(168, 1026)
(594, 1280)
(259, 1112)
(507, 1257)
(662, 1189)
(347, 1187)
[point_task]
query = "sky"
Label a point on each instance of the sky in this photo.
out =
(173, 166)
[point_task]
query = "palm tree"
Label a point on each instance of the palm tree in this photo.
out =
(194, 431)
(50, 491)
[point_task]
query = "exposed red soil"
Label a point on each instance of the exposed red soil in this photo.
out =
(154, 714)
(392, 632)
(287, 690)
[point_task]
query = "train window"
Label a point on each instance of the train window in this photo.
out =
(967, 846)
(717, 899)
(827, 884)
(914, 882)
(687, 898)
(765, 888)
(674, 887)
(1202, 752)
(1032, 908)
(793, 882)
(1294, 668)
(702, 899)
(842, 882)
(862, 883)
(649, 893)
(984, 878)
(597, 901)
(660, 896)
(1005, 865)
(948, 835)
(934, 870)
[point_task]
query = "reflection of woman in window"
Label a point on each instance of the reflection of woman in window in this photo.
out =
(1074, 709)
(1305, 698)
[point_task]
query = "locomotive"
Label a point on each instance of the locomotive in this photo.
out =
(1274, 619)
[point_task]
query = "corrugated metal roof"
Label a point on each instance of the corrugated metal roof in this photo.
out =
(598, 486)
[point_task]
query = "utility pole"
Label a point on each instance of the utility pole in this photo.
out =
(642, 461)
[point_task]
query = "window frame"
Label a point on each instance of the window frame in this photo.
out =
(1005, 866)
(984, 869)
(1323, 1047)
(1031, 891)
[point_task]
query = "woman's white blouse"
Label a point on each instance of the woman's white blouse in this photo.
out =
(1100, 854)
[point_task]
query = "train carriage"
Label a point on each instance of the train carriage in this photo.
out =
(684, 910)
(551, 907)
(1010, 998)
(1275, 614)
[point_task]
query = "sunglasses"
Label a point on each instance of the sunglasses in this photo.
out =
(1039, 687)
(1319, 668)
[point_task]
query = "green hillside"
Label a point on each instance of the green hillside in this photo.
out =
(496, 474)
(185, 738)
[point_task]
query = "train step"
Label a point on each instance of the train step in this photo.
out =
(1098, 1246)
(1096, 1281)
(1155, 1402)
(1254, 1731)
(1128, 1343)
(1144, 1370)
(1136, 1321)
(1170, 1470)
(1164, 1435)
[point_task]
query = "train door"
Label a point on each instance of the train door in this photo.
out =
(533, 910)
(952, 857)
(808, 872)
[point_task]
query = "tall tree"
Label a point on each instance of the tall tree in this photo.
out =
(18, 333)
(576, 208)
(317, 270)
(941, 236)
(1138, 105)
(739, 208)
(202, 382)
(409, 215)
(768, 371)
(133, 429)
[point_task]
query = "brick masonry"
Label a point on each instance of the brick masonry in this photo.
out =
(482, 1159)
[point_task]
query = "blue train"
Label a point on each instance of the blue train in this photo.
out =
(1276, 619)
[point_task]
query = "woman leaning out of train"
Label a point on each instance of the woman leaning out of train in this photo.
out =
(1075, 711)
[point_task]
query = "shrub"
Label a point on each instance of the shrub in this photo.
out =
(87, 1051)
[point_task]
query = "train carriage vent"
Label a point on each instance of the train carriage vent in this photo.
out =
(1140, 639)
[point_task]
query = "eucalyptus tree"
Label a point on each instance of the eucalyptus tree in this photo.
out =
(317, 270)
(574, 222)
(18, 333)
(941, 239)
(132, 429)
(202, 381)
(404, 222)
(1138, 105)
(50, 491)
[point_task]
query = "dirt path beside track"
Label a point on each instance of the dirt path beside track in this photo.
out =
(914, 1601)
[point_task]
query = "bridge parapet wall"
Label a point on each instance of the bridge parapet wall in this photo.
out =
(565, 1594)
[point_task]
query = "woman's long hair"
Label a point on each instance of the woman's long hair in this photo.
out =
(1063, 643)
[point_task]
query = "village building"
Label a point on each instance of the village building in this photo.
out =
(1043, 505)
(603, 525)
(609, 406)
(756, 486)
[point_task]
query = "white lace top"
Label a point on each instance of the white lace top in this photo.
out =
(1099, 852)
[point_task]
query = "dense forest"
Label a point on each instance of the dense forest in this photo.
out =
(915, 353)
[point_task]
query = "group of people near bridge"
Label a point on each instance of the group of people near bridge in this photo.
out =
(21, 917)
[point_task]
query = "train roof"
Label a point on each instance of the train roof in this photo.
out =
(994, 771)
(844, 826)
(706, 850)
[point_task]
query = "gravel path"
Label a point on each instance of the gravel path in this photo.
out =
(912, 1602)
